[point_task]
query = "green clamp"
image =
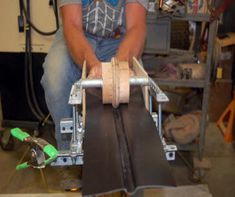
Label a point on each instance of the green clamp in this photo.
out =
(47, 148)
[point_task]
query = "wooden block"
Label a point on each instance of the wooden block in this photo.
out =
(116, 88)
(107, 90)
(124, 87)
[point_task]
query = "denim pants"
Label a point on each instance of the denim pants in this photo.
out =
(61, 72)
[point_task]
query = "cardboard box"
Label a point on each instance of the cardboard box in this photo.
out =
(223, 56)
(197, 7)
(226, 61)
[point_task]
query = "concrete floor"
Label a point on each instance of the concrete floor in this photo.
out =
(220, 179)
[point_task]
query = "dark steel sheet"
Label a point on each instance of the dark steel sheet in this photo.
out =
(122, 151)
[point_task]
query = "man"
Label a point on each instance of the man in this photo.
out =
(93, 31)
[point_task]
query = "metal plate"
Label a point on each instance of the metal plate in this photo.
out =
(158, 37)
(122, 150)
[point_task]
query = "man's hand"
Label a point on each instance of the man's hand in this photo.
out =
(95, 71)
(133, 43)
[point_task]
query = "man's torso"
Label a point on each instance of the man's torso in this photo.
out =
(103, 17)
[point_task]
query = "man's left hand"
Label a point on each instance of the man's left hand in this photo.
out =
(95, 72)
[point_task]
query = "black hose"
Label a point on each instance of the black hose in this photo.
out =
(30, 66)
(26, 72)
(33, 26)
(21, 8)
(29, 82)
(56, 13)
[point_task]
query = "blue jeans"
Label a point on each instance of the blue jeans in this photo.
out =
(61, 72)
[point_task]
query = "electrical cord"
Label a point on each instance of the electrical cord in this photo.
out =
(34, 27)
(55, 7)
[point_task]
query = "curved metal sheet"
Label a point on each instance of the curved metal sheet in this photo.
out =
(122, 151)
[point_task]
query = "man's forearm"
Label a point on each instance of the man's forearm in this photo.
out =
(133, 44)
(79, 47)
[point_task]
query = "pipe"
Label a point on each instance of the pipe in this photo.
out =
(98, 83)
(139, 81)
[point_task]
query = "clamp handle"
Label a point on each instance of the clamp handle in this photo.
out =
(22, 166)
(19, 134)
(52, 153)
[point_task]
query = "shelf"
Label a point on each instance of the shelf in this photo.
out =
(193, 17)
(203, 83)
(185, 147)
(181, 83)
(186, 17)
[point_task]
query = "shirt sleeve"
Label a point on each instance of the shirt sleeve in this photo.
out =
(144, 3)
(66, 2)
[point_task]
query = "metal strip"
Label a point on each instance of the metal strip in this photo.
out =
(122, 151)
(127, 168)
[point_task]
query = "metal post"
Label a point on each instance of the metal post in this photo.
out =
(150, 104)
(212, 34)
(91, 83)
(160, 119)
(139, 81)
(74, 137)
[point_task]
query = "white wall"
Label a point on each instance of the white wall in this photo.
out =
(42, 16)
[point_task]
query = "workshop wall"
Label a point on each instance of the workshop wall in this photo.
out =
(42, 16)
(12, 57)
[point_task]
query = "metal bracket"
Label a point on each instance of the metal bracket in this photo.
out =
(168, 149)
(75, 97)
(159, 94)
(66, 125)
(64, 158)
